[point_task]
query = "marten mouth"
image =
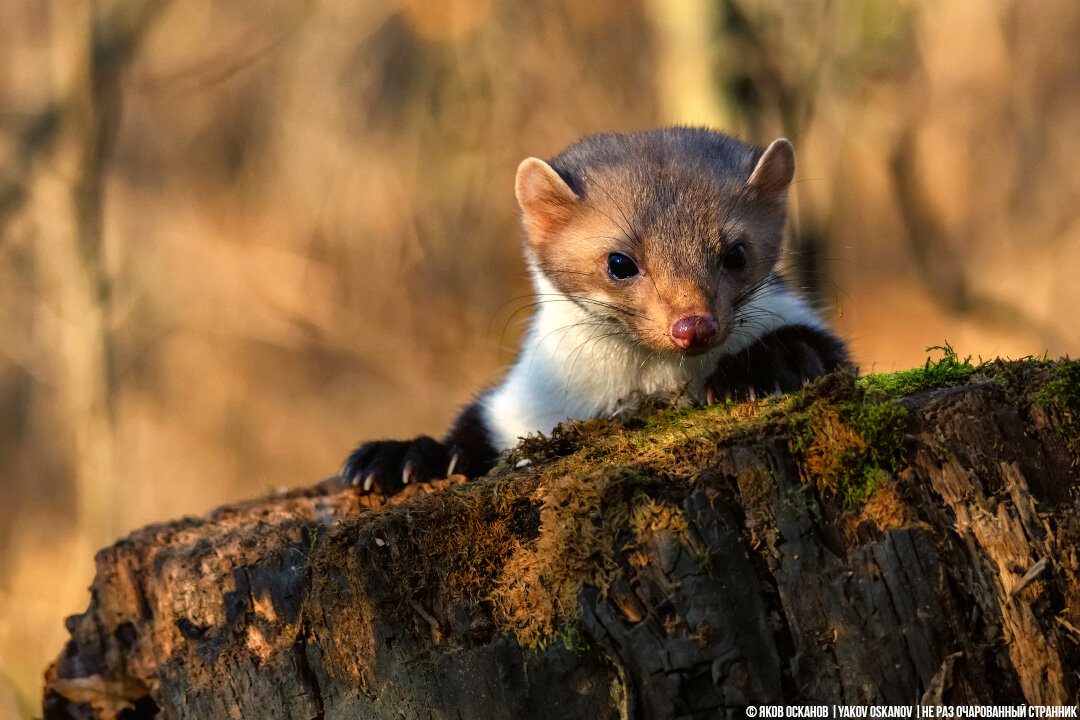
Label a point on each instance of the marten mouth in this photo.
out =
(700, 350)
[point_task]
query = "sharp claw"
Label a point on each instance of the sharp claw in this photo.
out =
(710, 396)
(355, 481)
(408, 472)
(369, 480)
(455, 460)
(752, 394)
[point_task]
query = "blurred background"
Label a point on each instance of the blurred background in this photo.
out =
(238, 238)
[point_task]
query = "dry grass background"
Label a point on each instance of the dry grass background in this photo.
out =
(237, 238)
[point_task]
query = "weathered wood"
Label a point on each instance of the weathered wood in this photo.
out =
(716, 568)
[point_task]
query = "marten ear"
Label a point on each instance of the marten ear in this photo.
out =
(774, 170)
(546, 200)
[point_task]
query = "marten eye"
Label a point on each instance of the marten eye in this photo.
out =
(735, 258)
(621, 267)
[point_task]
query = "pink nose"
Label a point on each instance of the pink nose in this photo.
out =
(693, 331)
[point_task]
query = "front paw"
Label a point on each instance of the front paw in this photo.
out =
(778, 363)
(385, 466)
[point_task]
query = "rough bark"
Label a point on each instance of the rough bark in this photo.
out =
(680, 565)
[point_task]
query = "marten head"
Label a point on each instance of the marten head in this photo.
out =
(666, 233)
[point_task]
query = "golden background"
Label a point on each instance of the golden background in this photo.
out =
(236, 238)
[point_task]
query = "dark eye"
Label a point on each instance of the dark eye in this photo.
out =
(735, 258)
(621, 267)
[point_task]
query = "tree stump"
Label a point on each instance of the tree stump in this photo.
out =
(885, 540)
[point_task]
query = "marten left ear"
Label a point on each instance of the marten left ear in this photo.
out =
(774, 170)
(546, 201)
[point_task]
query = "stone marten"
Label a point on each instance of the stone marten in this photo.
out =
(653, 256)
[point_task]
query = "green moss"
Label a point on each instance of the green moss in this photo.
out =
(881, 426)
(949, 370)
(572, 639)
(850, 440)
(689, 418)
(1062, 391)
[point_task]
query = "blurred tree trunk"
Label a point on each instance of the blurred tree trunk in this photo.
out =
(730, 575)
(63, 213)
(57, 200)
(690, 92)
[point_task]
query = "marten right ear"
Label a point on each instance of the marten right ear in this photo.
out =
(546, 201)
(774, 170)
